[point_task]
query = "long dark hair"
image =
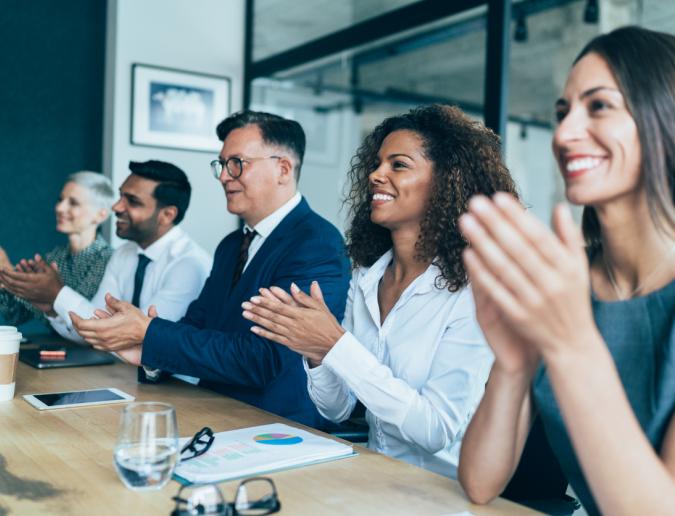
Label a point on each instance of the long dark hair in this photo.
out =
(643, 64)
(466, 160)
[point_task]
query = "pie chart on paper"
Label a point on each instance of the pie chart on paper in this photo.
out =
(277, 439)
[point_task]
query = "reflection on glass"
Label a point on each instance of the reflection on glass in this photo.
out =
(279, 26)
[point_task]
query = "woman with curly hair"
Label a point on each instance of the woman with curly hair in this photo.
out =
(409, 347)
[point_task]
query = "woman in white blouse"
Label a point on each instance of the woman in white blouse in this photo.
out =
(409, 347)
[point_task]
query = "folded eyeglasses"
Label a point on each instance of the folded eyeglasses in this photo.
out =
(198, 445)
(255, 497)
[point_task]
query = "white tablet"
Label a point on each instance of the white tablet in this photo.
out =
(57, 400)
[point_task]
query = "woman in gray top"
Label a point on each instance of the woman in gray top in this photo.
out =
(598, 315)
(84, 204)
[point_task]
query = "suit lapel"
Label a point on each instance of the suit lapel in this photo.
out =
(231, 262)
(285, 227)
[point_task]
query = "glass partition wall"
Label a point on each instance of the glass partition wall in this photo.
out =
(340, 99)
(339, 68)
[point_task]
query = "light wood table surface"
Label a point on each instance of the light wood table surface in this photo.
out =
(60, 461)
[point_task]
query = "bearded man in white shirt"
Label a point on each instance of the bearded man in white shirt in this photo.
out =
(160, 269)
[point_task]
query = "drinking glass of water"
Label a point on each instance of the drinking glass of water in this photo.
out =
(147, 445)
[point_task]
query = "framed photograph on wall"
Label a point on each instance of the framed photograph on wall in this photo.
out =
(177, 109)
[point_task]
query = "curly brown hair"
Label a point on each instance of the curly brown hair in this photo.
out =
(466, 161)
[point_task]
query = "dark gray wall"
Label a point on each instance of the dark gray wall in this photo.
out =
(51, 111)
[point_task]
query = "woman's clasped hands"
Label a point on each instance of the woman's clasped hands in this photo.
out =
(531, 285)
(299, 321)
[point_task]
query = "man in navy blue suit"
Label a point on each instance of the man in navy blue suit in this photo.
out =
(282, 242)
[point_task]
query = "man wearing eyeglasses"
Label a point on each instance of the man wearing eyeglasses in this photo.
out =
(282, 242)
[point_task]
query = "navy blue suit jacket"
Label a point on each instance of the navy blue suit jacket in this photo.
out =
(213, 341)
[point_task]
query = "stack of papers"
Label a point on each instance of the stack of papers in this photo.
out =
(258, 450)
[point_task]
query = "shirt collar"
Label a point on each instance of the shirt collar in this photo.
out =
(375, 272)
(265, 227)
(424, 283)
(155, 250)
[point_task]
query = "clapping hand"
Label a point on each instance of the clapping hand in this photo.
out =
(121, 327)
(301, 322)
(34, 280)
(531, 284)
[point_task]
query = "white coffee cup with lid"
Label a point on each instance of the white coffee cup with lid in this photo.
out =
(10, 339)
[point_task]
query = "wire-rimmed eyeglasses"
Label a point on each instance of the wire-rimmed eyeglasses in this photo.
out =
(255, 496)
(234, 165)
(198, 445)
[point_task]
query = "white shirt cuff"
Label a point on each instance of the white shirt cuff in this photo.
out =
(345, 354)
(317, 374)
(152, 374)
(367, 377)
(65, 301)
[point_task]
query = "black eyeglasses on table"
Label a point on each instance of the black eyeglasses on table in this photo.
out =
(255, 496)
(198, 445)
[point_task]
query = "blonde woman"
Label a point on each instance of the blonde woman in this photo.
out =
(84, 204)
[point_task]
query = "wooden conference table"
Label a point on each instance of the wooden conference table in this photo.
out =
(60, 461)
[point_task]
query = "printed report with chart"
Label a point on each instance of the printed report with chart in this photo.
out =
(259, 449)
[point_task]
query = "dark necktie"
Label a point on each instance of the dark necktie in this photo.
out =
(249, 235)
(143, 262)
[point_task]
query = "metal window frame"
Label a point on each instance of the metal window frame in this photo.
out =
(498, 49)
(393, 22)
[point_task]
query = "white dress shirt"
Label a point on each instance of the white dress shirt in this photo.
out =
(173, 278)
(265, 227)
(420, 375)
